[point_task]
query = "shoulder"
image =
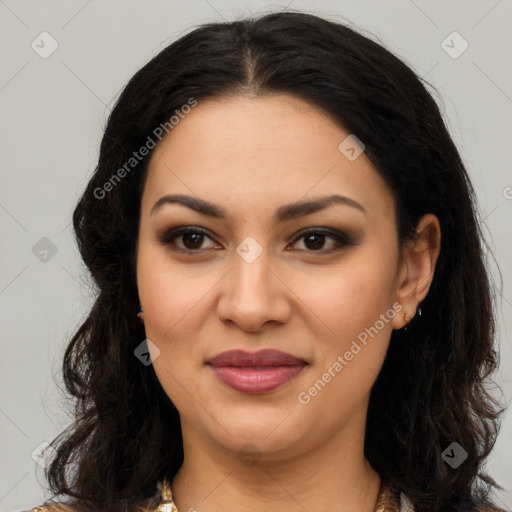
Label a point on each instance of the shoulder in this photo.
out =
(66, 507)
(52, 507)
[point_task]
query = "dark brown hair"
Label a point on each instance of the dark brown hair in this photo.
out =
(431, 390)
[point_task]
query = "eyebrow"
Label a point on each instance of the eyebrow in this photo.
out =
(283, 213)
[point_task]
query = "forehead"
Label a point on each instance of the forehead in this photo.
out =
(258, 151)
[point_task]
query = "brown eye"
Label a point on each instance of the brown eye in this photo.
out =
(191, 239)
(315, 240)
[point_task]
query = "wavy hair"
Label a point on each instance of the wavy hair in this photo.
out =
(431, 390)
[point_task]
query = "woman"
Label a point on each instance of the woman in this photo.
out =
(293, 310)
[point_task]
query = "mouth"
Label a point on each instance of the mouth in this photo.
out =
(256, 372)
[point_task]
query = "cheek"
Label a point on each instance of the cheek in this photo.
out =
(170, 321)
(356, 306)
(349, 358)
(168, 301)
(354, 295)
(169, 292)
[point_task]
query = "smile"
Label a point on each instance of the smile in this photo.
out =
(258, 372)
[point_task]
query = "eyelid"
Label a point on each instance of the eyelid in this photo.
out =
(169, 235)
(341, 238)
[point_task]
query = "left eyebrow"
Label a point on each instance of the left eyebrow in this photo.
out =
(283, 213)
(300, 209)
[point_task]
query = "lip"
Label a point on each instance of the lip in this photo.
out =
(256, 372)
(264, 357)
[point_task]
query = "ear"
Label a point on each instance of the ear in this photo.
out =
(416, 268)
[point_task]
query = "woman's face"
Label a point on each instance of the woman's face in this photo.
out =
(319, 282)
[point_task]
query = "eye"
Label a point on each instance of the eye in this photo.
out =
(192, 239)
(314, 239)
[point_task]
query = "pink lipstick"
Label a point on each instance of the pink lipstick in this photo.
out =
(256, 372)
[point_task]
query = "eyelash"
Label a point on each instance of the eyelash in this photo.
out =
(341, 238)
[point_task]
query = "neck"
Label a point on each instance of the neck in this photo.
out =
(332, 476)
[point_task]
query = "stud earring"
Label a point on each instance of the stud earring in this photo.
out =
(407, 319)
(140, 314)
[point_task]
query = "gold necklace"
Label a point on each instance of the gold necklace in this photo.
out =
(388, 499)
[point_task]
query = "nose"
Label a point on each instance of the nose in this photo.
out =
(253, 296)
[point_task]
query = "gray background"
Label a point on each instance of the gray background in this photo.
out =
(53, 111)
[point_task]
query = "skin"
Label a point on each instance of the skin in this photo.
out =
(250, 156)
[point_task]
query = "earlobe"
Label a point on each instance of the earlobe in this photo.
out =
(140, 314)
(406, 319)
(418, 261)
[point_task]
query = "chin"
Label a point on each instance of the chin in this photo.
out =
(274, 434)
